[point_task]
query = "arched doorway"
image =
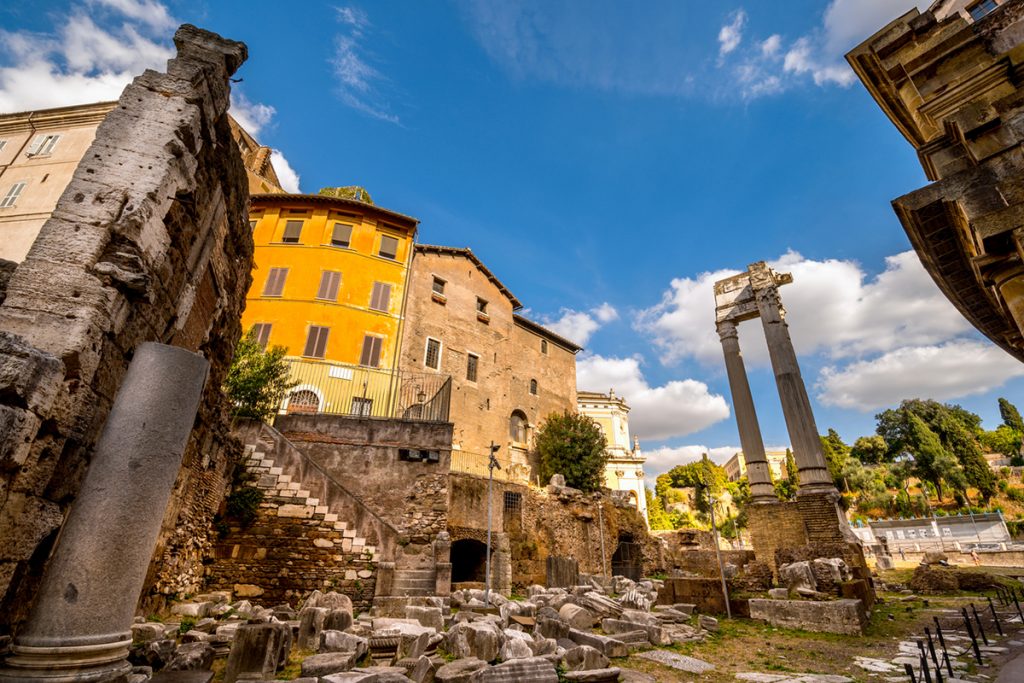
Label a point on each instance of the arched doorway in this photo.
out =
(627, 560)
(303, 401)
(469, 561)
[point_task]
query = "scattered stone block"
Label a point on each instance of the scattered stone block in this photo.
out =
(610, 675)
(339, 641)
(427, 616)
(797, 575)
(830, 616)
(778, 593)
(459, 671)
(192, 657)
(584, 658)
(708, 623)
(181, 677)
(610, 647)
(257, 651)
(531, 670)
(311, 623)
(677, 661)
(328, 663)
(576, 616)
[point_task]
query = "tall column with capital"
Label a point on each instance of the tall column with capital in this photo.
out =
(758, 474)
(796, 406)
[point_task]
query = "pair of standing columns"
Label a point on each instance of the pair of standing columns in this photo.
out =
(796, 406)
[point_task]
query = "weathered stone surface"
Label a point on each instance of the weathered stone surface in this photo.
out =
(428, 616)
(459, 671)
(338, 641)
(576, 616)
(256, 651)
(191, 657)
(515, 648)
(481, 640)
(583, 658)
(610, 675)
(831, 616)
(610, 647)
(797, 575)
(531, 670)
(708, 623)
(677, 661)
(328, 663)
(311, 623)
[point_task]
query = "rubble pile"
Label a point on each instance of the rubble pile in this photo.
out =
(573, 632)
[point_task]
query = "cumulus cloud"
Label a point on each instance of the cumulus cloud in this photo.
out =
(579, 326)
(833, 307)
(358, 81)
(731, 34)
(677, 408)
(944, 371)
(285, 173)
(252, 116)
(661, 460)
(774, 64)
(149, 12)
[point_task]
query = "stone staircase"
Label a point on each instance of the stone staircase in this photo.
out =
(290, 499)
(414, 582)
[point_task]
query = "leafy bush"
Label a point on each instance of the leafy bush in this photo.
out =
(574, 446)
(243, 503)
(257, 380)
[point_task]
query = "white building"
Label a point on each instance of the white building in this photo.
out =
(625, 468)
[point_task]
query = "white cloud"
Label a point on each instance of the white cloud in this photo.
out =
(769, 67)
(151, 13)
(252, 116)
(731, 35)
(677, 408)
(832, 307)
(661, 460)
(285, 173)
(941, 372)
(578, 326)
(358, 81)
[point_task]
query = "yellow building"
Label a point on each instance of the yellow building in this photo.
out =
(624, 470)
(736, 467)
(329, 285)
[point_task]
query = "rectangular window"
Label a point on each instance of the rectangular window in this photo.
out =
(481, 306)
(362, 407)
(12, 195)
(388, 247)
(42, 145)
(330, 280)
(341, 235)
(261, 331)
(472, 362)
(292, 232)
(3, 143)
(432, 357)
(380, 299)
(543, 345)
(316, 341)
(438, 286)
(275, 282)
(982, 8)
(371, 351)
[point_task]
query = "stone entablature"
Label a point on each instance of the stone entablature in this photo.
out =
(949, 80)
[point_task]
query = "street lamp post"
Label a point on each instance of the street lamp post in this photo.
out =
(718, 554)
(492, 462)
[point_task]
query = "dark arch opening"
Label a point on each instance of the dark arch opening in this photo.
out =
(627, 560)
(469, 561)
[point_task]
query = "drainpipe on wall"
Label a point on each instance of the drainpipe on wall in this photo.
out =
(392, 383)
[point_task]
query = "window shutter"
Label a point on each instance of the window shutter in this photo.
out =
(380, 300)
(37, 143)
(292, 232)
(12, 195)
(375, 353)
(341, 236)
(49, 143)
(370, 356)
(321, 342)
(316, 341)
(275, 282)
(388, 247)
(329, 282)
(262, 333)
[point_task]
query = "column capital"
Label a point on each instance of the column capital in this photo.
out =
(727, 330)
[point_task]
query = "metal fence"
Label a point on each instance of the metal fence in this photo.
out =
(342, 389)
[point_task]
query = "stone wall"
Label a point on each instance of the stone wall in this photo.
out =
(149, 242)
(847, 617)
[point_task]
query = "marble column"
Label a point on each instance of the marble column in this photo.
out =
(758, 473)
(80, 625)
(796, 406)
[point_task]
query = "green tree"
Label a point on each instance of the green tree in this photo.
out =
(870, 450)
(1002, 440)
(837, 455)
(574, 446)
(656, 514)
(1011, 416)
(932, 462)
(786, 487)
(257, 380)
(703, 476)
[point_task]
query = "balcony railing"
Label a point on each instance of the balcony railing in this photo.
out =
(511, 471)
(342, 389)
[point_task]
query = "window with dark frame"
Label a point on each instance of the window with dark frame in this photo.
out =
(980, 9)
(517, 427)
(432, 356)
(544, 346)
(11, 198)
(481, 306)
(438, 286)
(380, 298)
(292, 232)
(361, 407)
(341, 235)
(316, 341)
(330, 280)
(261, 333)
(275, 282)
(533, 387)
(388, 247)
(370, 356)
(472, 362)
(513, 503)
(42, 145)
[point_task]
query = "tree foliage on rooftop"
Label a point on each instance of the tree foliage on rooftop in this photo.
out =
(257, 380)
(353, 192)
(574, 446)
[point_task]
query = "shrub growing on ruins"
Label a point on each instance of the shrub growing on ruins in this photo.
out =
(574, 446)
(258, 379)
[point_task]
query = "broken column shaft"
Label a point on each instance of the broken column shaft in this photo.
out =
(80, 625)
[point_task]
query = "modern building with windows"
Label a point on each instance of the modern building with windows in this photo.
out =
(625, 468)
(40, 150)
(507, 372)
(329, 285)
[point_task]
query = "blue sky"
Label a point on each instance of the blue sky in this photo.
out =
(608, 162)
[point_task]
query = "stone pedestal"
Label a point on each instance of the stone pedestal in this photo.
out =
(758, 474)
(80, 625)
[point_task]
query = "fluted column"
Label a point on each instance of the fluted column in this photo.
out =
(796, 406)
(80, 626)
(758, 474)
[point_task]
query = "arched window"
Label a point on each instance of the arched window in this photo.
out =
(303, 401)
(517, 426)
(533, 387)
